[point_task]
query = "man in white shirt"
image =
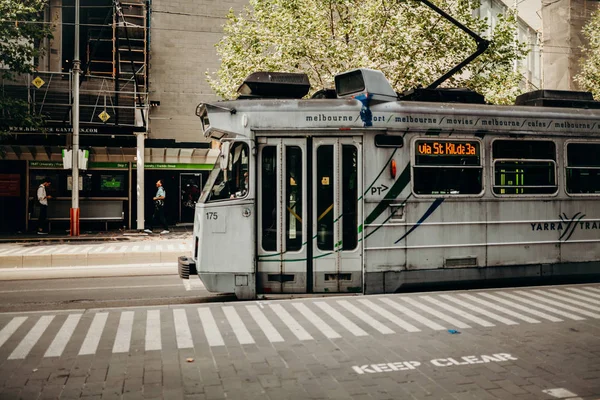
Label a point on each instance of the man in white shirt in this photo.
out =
(42, 198)
(159, 209)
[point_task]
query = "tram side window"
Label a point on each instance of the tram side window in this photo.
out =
(447, 167)
(523, 167)
(583, 168)
(232, 182)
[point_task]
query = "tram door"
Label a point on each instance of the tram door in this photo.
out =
(337, 214)
(282, 218)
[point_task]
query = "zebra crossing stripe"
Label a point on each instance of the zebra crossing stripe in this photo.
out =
(11, 328)
(566, 298)
(337, 316)
(182, 330)
(239, 329)
(457, 311)
(291, 323)
(365, 317)
(316, 321)
(500, 308)
(521, 307)
(446, 318)
(153, 335)
(417, 317)
(543, 307)
(211, 330)
(31, 338)
(391, 317)
(575, 296)
(266, 326)
(90, 343)
(593, 295)
(564, 306)
(479, 310)
(595, 289)
(123, 338)
(63, 336)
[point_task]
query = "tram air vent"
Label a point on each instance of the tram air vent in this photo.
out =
(460, 262)
(558, 98)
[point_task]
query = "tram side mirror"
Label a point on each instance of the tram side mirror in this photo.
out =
(224, 156)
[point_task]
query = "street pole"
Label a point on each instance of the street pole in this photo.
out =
(74, 216)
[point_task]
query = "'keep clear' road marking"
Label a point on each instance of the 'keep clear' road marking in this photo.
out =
(438, 362)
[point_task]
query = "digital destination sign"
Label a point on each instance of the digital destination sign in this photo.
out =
(447, 148)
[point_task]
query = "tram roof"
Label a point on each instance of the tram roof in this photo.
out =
(245, 117)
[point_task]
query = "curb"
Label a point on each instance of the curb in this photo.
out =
(117, 270)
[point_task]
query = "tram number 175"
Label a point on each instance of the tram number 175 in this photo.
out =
(212, 215)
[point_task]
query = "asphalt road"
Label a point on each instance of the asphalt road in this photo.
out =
(63, 294)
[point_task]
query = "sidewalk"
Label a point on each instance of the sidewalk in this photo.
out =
(112, 253)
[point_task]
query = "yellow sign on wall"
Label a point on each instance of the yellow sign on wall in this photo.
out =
(104, 116)
(38, 82)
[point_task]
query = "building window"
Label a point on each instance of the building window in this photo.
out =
(524, 167)
(447, 167)
(583, 168)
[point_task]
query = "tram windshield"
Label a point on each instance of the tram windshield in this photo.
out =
(230, 182)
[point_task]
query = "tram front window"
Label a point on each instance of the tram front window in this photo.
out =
(231, 182)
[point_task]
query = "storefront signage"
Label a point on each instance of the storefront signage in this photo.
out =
(10, 185)
(91, 165)
(176, 166)
(122, 165)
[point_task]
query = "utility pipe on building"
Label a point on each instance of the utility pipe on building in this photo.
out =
(74, 215)
(140, 179)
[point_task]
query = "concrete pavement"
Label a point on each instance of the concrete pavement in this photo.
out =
(131, 255)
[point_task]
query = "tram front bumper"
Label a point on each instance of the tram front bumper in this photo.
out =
(186, 267)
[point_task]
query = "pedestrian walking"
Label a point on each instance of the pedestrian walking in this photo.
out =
(159, 209)
(42, 198)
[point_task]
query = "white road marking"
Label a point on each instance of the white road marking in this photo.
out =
(595, 289)
(90, 344)
(268, 329)
(30, 252)
(211, 330)
(500, 308)
(49, 250)
(367, 319)
(316, 321)
(135, 248)
(238, 327)
(446, 318)
(575, 296)
(557, 304)
(187, 284)
(31, 338)
(171, 247)
(393, 318)
(457, 311)
(290, 322)
(5, 251)
(147, 248)
(12, 251)
(337, 316)
(63, 336)
(153, 335)
(417, 317)
(521, 307)
(561, 393)
(88, 288)
(566, 298)
(111, 249)
(587, 293)
(11, 328)
(182, 330)
(183, 247)
(123, 337)
(472, 307)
